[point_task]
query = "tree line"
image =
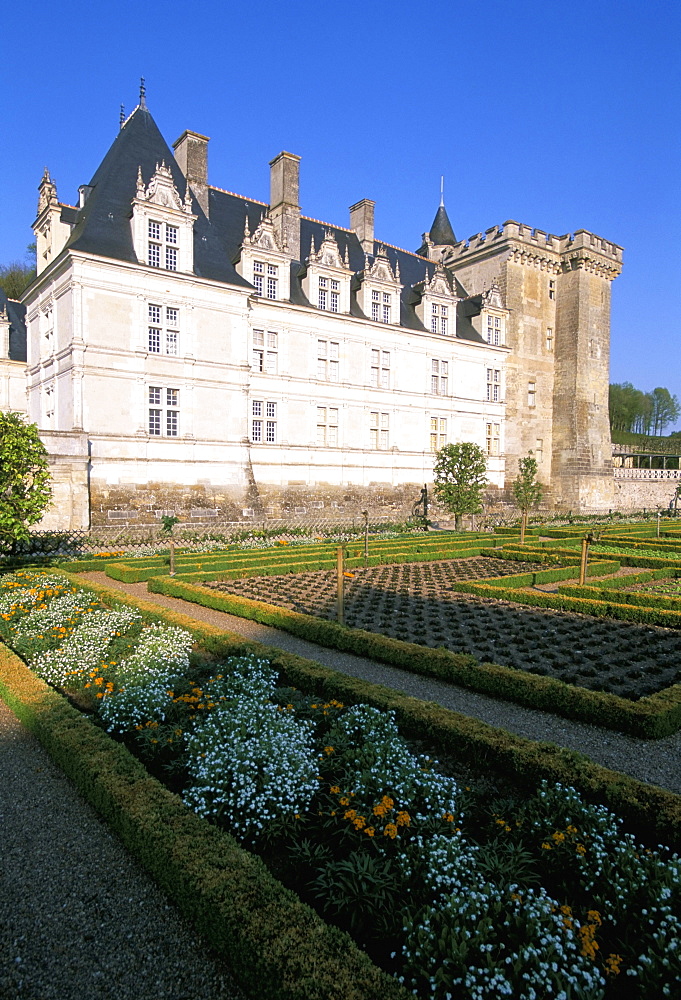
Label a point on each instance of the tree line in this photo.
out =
(640, 412)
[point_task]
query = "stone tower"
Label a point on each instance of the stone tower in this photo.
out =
(557, 292)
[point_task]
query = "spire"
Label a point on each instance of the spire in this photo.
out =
(143, 95)
(121, 119)
(442, 191)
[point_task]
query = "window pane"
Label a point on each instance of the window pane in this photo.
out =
(385, 378)
(321, 348)
(271, 409)
(334, 302)
(258, 338)
(333, 415)
(332, 436)
(374, 377)
(171, 316)
(321, 414)
(272, 341)
(256, 433)
(271, 363)
(384, 419)
(155, 395)
(172, 423)
(171, 234)
(333, 350)
(270, 432)
(154, 340)
(154, 255)
(321, 435)
(154, 230)
(171, 258)
(333, 371)
(384, 439)
(373, 419)
(271, 288)
(155, 315)
(257, 361)
(257, 407)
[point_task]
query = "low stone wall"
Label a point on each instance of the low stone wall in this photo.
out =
(641, 492)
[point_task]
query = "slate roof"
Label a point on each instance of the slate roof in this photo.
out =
(441, 232)
(102, 226)
(17, 327)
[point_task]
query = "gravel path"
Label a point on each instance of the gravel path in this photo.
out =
(655, 761)
(78, 918)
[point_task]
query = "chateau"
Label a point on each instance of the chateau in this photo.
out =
(195, 351)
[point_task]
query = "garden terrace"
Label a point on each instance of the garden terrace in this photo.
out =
(501, 852)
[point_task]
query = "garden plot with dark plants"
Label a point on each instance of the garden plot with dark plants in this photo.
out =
(416, 603)
(457, 888)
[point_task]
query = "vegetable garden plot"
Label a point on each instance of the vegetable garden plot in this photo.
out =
(415, 603)
(454, 893)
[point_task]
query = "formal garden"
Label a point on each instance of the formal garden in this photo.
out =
(452, 882)
(332, 837)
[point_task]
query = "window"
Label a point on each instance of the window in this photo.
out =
(552, 289)
(492, 436)
(327, 426)
(265, 355)
(549, 339)
(164, 411)
(380, 369)
(379, 425)
(439, 377)
(163, 245)
(263, 421)
(539, 450)
(438, 433)
(48, 329)
(494, 330)
(49, 403)
(265, 279)
(327, 360)
(375, 306)
(531, 393)
(163, 332)
(493, 385)
(386, 307)
(329, 291)
(439, 319)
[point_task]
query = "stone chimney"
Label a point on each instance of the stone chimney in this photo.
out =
(284, 203)
(362, 223)
(191, 154)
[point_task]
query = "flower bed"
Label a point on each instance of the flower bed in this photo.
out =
(454, 889)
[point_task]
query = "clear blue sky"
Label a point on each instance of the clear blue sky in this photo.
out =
(563, 116)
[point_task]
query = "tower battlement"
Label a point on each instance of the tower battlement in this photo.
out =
(497, 237)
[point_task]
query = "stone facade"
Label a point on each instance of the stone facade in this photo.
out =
(191, 350)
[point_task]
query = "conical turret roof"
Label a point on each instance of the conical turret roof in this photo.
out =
(441, 232)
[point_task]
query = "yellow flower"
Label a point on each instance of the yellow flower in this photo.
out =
(403, 819)
(349, 813)
(581, 849)
(335, 790)
(390, 830)
(328, 750)
(359, 822)
(379, 810)
(345, 801)
(547, 847)
(370, 831)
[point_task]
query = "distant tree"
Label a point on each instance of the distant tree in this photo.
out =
(641, 412)
(460, 473)
(16, 276)
(666, 409)
(527, 490)
(25, 489)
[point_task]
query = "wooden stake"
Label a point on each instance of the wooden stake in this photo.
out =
(523, 527)
(366, 538)
(172, 558)
(583, 564)
(340, 609)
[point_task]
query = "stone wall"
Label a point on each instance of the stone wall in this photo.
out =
(637, 494)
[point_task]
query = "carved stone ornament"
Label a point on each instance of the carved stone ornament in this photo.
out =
(492, 298)
(329, 254)
(264, 237)
(438, 284)
(161, 190)
(538, 260)
(381, 270)
(583, 259)
(47, 192)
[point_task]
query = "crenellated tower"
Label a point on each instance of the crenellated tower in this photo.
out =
(557, 293)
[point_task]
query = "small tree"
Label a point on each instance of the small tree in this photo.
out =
(527, 490)
(460, 473)
(25, 489)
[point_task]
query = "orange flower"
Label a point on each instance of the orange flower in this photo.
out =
(390, 830)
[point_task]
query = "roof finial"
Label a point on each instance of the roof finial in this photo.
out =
(143, 95)
(442, 190)
(121, 120)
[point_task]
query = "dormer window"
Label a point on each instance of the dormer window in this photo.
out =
(329, 294)
(162, 223)
(438, 303)
(265, 279)
(163, 245)
(439, 321)
(494, 330)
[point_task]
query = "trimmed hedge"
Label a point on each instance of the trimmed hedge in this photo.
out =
(649, 811)
(276, 945)
(649, 718)
(279, 562)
